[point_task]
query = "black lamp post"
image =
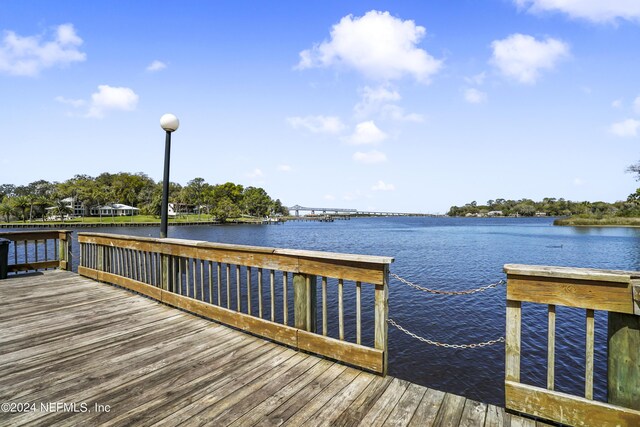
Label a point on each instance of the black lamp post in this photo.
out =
(169, 123)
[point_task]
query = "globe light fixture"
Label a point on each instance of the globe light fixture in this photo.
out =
(169, 123)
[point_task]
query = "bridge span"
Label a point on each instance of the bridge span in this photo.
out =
(296, 209)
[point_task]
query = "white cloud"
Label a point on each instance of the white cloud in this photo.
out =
(370, 157)
(76, 103)
(474, 96)
(617, 103)
(382, 186)
(317, 124)
(377, 45)
(256, 173)
(477, 79)
(522, 57)
(367, 133)
(112, 98)
(626, 128)
(636, 105)
(375, 101)
(284, 168)
(27, 56)
(600, 11)
(156, 66)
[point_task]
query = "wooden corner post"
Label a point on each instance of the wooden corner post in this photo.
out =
(623, 354)
(381, 317)
(304, 301)
(64, 249)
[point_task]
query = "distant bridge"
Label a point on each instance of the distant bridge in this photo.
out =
(342, 211)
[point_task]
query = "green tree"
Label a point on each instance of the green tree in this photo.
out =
(61, 209)
(6, 210)
(256, 202)
(225, 209)
(22, 204)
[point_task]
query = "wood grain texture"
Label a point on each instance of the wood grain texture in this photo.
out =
(565, 408)
(68, 338)
(570, 292)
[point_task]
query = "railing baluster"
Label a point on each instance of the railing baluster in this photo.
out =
(358, 313)
(260, 293)
(210, 271)
(551, 347)
(340, 310)
(201, 280)
(219, 282)
(324, 306)
(285, 302)
(228, 286)
(238, 301)
(588, 376)
(180, 276)
(248, 290)
(272, 286)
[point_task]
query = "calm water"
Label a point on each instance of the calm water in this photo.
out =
(457, 254)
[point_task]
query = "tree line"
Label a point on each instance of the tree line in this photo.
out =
(557, 207)
(217, 201)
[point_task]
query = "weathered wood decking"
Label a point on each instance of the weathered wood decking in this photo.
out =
(65, 339)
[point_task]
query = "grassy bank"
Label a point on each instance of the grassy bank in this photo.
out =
(136, 219)
(606, 221)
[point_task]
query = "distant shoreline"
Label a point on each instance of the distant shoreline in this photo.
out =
(598, 222)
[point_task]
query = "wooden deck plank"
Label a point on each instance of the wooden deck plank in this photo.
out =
(406, 407)
(473, 414)
(450, 411)
(294, 404)
(353, 415)
(340, 401)
(427, 411)
(379, 412)
(69, 339)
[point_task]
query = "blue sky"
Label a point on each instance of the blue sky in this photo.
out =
(408, 106)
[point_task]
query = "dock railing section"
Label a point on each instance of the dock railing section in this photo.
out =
(28, 251)
(250, 288)
(617, 293)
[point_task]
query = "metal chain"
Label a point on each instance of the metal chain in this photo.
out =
(435, 291)
(440, 344)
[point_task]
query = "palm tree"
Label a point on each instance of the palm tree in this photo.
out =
(6, 210)
(61, 209)
(42, 202)
(23, 203)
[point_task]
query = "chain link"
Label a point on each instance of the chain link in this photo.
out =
(441, 344)
(439, 292)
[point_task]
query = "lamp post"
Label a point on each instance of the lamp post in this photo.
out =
(169, 123)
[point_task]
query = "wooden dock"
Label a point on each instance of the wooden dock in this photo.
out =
(80, 352)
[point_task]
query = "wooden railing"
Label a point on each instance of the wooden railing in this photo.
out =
(38, 250)
(268, 292)
(617, 293)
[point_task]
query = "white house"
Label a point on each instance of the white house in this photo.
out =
(115, 209)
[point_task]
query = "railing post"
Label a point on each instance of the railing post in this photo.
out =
(381, 317)
(304, 301)
(64, 249)
(623, 335)
(100, 263)
(166, 277)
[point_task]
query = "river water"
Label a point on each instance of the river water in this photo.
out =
(457, 254)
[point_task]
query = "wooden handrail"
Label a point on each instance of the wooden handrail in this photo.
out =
(201, 277)
(40, 250)
(612, 291)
